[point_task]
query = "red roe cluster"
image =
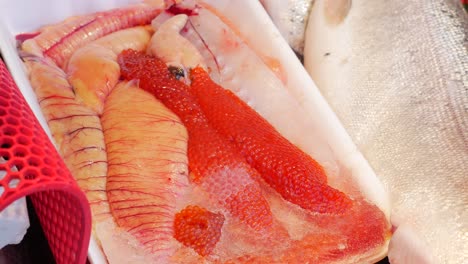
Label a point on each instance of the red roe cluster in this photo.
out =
(198, 228)
(293, 174)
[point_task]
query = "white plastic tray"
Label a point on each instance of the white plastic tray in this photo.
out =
(21, 16)
(14, 220)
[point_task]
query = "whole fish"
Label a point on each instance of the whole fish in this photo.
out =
(396, 74)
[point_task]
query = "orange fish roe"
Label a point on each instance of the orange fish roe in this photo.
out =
(213, 162)
(292, 173)
(198, 228)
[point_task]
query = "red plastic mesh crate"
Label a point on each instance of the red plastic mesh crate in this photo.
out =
(33, 167)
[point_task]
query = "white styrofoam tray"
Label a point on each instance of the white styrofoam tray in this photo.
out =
(22, 16)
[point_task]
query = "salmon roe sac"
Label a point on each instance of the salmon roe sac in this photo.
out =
(293, 174)
(198, 228)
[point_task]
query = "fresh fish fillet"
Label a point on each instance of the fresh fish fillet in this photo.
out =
(396, 74)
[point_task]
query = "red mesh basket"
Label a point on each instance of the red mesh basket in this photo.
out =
(33, 167)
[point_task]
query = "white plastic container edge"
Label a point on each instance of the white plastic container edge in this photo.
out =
(14, 219)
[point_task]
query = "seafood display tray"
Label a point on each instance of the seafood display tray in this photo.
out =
(22, 16)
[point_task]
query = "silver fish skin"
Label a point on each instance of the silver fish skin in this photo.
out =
(396, 74)
(290, 17)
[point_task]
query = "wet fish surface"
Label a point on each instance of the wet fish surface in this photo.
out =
(396, 74)
(290, 17)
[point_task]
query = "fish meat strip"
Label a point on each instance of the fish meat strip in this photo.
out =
(76, 130)
(92, 86)
(64, 38)
(147, 172)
